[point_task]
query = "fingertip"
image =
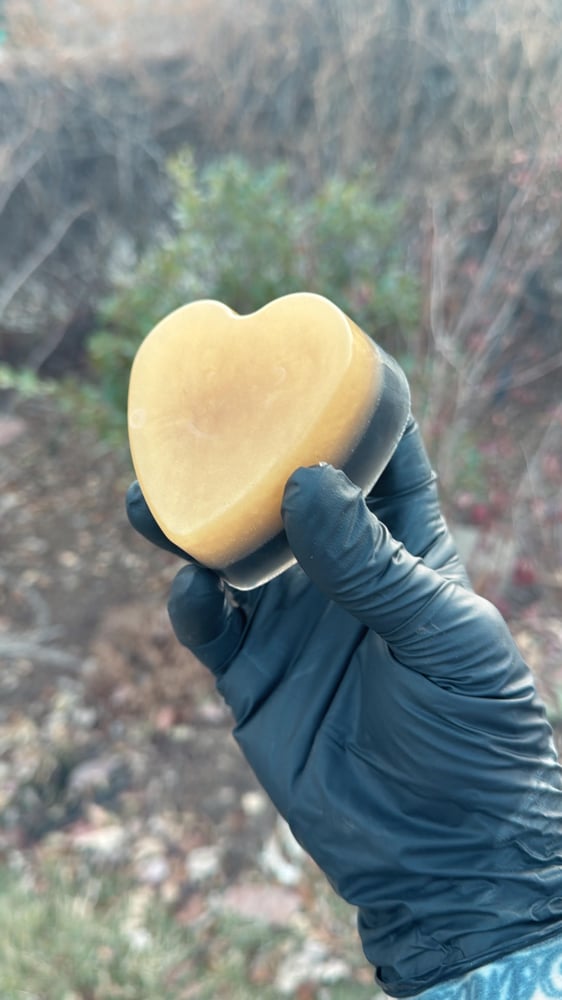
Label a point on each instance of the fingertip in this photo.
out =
(195, 603)
(202, 617)
(137, 509)
(133, 497)
(142, 520)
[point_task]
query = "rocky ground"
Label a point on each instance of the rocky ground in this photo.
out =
(114, 747)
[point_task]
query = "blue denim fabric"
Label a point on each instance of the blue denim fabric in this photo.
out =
(532, 974)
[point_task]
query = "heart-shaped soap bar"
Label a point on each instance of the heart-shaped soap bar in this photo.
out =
(223, 408)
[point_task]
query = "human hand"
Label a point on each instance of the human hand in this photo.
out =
(388, 714)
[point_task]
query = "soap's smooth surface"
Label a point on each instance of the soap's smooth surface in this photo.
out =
(223, 408)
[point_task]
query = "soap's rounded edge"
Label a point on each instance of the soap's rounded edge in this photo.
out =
(303, 294)
(385, 427)
(327, 304)
(271, 559)
(189, 307)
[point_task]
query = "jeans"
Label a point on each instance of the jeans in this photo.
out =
(532, 974)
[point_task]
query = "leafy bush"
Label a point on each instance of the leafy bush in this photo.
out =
(24, 382)
(244, 238)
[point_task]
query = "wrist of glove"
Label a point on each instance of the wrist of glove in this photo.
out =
(387, 713)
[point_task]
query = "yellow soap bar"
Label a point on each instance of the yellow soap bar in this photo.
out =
(223, 408)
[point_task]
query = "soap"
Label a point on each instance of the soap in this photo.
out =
(223, 407)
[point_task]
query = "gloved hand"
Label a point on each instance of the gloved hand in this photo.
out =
(387, 712)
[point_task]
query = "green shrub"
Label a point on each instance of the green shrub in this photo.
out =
(243, 237)
(24, 382)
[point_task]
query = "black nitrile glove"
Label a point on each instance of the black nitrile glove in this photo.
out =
(387, 712)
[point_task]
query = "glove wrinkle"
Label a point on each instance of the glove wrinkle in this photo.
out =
(353, 559)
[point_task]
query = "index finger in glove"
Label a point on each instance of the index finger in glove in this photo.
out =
(204, 619)
(405, 498)
(430, 623)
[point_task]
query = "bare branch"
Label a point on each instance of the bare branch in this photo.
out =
(37, 257)
(13, 173)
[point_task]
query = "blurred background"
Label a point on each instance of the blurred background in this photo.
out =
(403, 158)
